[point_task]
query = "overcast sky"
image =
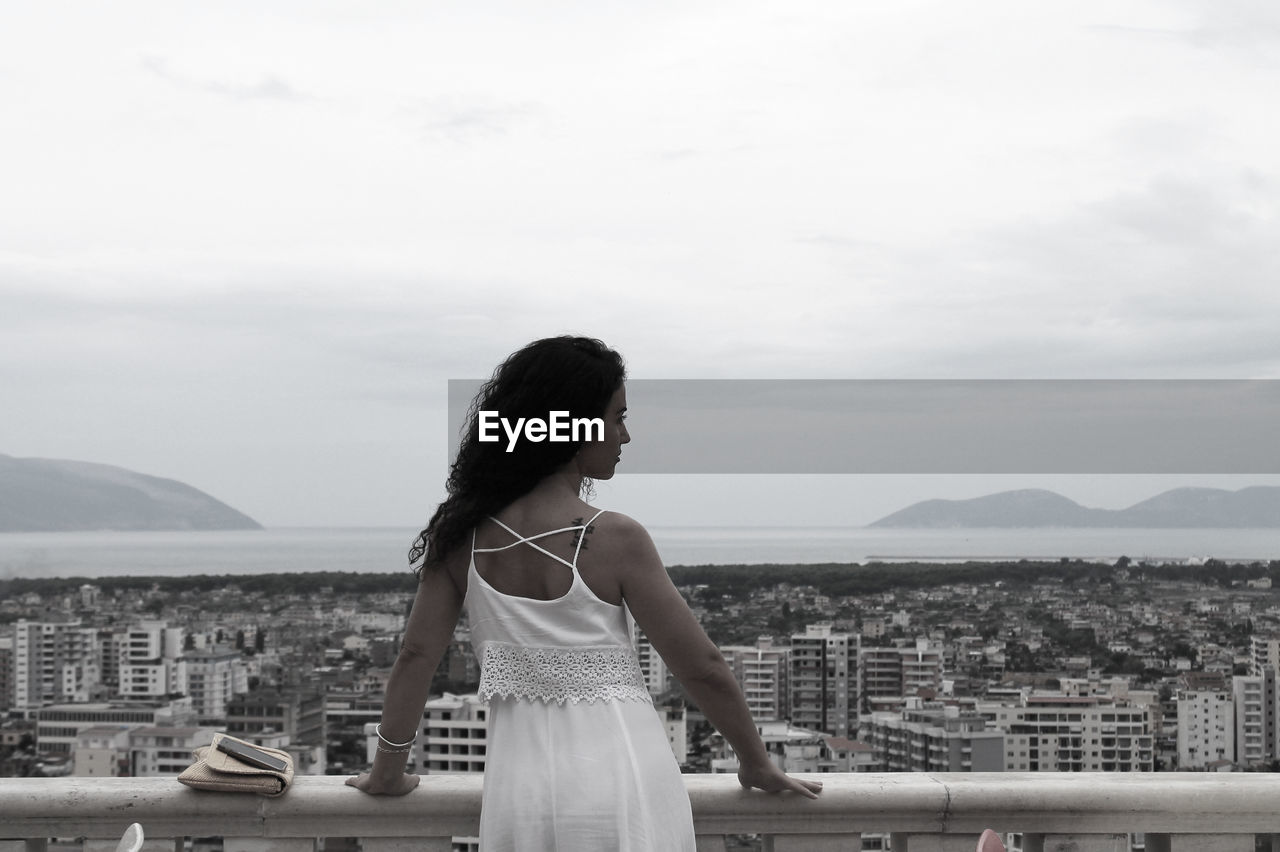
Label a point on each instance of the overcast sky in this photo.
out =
(245, 245)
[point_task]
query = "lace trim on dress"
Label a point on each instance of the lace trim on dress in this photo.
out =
(561, 674)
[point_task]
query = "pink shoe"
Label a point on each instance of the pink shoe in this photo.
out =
(990, 842)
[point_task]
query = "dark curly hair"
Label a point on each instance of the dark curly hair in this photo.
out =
(573, 374)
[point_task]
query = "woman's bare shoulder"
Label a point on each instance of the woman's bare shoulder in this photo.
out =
(618, 524)
(621, 534)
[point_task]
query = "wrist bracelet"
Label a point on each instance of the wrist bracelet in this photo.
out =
(393, 750)
(377, 729)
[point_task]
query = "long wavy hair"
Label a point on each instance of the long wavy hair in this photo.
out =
(574, 374)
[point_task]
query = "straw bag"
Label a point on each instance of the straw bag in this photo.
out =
(217, 770)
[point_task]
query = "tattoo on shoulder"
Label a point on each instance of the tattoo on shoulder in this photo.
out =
(581, 533)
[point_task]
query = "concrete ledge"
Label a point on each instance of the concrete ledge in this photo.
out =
(443, 805)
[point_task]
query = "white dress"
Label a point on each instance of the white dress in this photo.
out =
(577, 757)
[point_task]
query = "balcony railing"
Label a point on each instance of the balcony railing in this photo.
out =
(1080, 812)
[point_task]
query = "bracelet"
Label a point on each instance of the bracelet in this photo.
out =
(393, 750)
(377, 729)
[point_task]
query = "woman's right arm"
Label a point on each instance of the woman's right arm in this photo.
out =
(428, 633)
(694, 659)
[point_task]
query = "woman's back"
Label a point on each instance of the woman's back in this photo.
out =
(576, 535)
(559, 644)
(577, 758)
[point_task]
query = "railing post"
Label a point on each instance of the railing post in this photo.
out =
(814, 842)
(269, 844)
(906, 842)
(1200, 843)
(1076, 842)
(406, 844)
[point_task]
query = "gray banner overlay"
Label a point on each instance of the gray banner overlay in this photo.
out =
(942, 426)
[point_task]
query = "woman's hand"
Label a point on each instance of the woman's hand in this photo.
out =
(771, 779)
(402, 784)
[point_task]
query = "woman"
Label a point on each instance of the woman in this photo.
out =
(577, 757)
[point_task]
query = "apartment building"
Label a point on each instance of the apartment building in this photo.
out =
(164, 750)
(454, 736)
(1254, 699)
(928, 736)
(822, 680)
(149, 654)
(58, 726)
(6, 674)
(297, 714)
(53, 661)
(1206, 728)
(761, 671)
(890, 673)
(652, 666)
(1057, 733)
(452, 739)
(101, 752)
(1264, 652)
(791, 749)
(213, 678)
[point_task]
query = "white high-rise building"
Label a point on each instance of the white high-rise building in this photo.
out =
(652, 666)
(761, 671)
(1264, 653)
(212, 678)
(1206, 728)
(675, 723)
(1254, 698)
(454, 735)
(148, 662)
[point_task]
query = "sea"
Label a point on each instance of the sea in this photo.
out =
(382, 549)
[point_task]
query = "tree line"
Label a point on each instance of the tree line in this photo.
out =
(739, 581)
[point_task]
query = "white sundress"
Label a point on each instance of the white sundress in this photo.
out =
(577, 758)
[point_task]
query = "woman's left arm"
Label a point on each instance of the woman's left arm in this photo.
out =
(427, 634)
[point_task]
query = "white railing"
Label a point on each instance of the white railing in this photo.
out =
(1070, 812)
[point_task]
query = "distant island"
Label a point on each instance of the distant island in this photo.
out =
(55, 495)
(1254, 507)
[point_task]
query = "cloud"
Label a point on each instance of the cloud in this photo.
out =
(267, 87)
(456, 120)
(1172, 276)
(1179, 266)
(1211, 24)
(1234, 23)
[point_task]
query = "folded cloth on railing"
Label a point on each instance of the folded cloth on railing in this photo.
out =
(226, 773)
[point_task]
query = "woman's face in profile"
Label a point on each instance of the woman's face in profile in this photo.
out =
(599, 459)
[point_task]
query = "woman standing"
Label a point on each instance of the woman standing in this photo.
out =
(577, 757)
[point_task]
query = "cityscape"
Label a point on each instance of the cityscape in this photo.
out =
(1060, 668)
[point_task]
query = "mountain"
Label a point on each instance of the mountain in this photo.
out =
(53, 495)
(1258, 506)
